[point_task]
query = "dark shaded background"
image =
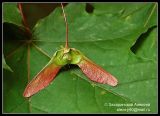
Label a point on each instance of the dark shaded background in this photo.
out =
(35, 11)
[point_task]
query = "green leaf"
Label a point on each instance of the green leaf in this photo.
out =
(108, 39)
(11, 14)
(120, 8)
(146, 46)
(5, 66)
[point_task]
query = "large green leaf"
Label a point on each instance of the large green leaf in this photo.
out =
(109, 39)
(11, 14)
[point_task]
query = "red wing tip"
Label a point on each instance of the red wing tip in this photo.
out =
(114, 83)
(26, 94)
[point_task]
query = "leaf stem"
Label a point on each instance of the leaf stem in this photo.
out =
(24, 19)
(28, 62)
(65, 19)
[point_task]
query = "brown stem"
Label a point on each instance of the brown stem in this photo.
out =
(28, 63)
(65, 19)
(23, 18)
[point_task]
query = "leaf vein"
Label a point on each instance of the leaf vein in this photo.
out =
(40, 50)
(150, 15)
(96, 99)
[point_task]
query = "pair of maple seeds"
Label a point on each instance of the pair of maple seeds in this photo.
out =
(68, 56)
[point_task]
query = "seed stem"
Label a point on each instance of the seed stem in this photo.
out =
(65, 19)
